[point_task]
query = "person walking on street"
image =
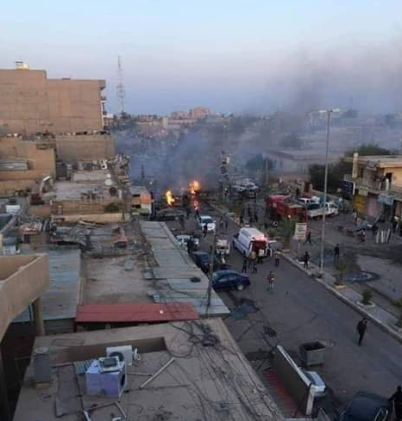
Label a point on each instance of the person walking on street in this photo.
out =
(205, 230)
(394, 224)
(244, 267)
(277, 258)
(306, 259)
(260, 255)
(226, 223)
(361, 329)
(336, 254)
(221, 222)
(255, 268)
(188, 211)
(252, 259)
(396, 398)
(374, 229)
(197, 213)
(241, 219)
(271, 280)
(308, 238)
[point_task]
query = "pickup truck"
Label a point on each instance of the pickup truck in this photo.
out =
(317, 211)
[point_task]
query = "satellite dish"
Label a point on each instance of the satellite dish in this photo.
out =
(108, 182)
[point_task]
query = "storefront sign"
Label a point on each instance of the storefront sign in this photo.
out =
(386, 199)
(300, 231)
(348, 187)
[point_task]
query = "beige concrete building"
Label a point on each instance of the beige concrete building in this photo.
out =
(32, 103)
(24, 163)
(376, 185)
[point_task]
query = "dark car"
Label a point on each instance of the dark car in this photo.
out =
(229, 279)
(367, 407)
(169, 214)
(203, 261)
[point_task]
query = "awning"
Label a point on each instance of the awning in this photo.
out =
(135, 313)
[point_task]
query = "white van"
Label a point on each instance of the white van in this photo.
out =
(249, 239)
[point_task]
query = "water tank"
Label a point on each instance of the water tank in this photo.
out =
(41, 361)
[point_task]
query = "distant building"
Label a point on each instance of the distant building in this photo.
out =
(199, 112)
(31, 103)
(175, 115)
(376, 185)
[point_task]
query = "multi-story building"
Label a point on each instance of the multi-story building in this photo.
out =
(199, 112)
(31, 103)
(376, 185)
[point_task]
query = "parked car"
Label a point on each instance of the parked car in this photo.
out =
(170, 214)
(367, 407)
(318, 386)
(205, 219)
(203, 261)
(185, 238)
(229, 279)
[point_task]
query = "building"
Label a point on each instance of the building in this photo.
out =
(23, 279)
(31, 103)
(23, 164)
(376, 185)
(183, 371)
(199, 113)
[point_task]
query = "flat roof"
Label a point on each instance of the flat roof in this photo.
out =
(135, 313)
(61, 299)
(153, 269)
(208, 378)
(90, 176)
(70, 190)
(380, 161)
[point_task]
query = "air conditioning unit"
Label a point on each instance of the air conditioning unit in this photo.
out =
(106, 377)
(124, 352)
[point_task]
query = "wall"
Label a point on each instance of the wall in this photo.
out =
(294, 380)
(85, 147)
(23, 279)
(100, 218)
(31, 103)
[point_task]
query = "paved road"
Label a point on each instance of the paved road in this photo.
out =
(301, 310)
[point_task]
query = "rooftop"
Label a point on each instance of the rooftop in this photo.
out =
(61, 299)
(380, 161)
(70, 190)
(153, 269)
(90, 176)
(207, 377)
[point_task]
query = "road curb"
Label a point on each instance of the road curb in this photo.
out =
(384, 327)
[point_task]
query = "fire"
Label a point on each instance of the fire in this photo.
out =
(194, 187)
(169, 197)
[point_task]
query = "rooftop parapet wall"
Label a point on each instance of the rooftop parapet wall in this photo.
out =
(23, 279)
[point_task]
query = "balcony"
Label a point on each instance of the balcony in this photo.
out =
(375, 187)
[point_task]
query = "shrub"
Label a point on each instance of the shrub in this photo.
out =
(367, 295)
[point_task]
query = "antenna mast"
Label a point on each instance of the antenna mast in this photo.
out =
(120, 87)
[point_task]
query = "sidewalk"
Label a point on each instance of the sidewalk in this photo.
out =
(382, 317)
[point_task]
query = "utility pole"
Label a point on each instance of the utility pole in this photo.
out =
(121, 94)
(322, 248)
(211, 271)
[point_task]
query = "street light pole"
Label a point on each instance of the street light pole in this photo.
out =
(322, 251)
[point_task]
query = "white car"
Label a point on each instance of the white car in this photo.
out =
(185, 238)
(205, 219)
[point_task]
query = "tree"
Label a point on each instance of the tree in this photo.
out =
(370, 149)
(292, 140)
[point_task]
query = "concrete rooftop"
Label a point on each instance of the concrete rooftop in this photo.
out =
(210, 383)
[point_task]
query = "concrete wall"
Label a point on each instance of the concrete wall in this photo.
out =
(84, 147)
(294, 380)
(101, 218)
(31, 103)
(23, 279)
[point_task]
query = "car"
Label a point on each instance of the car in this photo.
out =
(203, 261)
(317, 384)
(185, 238)
(205, 219)
(367, 406)
(169, 214)
(229, 279)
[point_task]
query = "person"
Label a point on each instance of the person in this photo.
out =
(241, 219)
(374, 229)
(256, 218)
(244, 267)
(260, 255)
(226, 223)
(336, 254)
(205, 230)
(276, 256)
(308, 238)
(297, 192)
(188, 211)
(221, 222)
(361, 329)
(197, 213)
(271, 280)
(394, 224)
(255, 268)
(306, 259)
(252, 259)
(354, 215)
(363, 236)
(396, 398)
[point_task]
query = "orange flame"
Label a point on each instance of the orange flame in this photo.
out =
(169, 197)
(194, 187)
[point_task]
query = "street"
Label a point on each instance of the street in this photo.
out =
(301, 310)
